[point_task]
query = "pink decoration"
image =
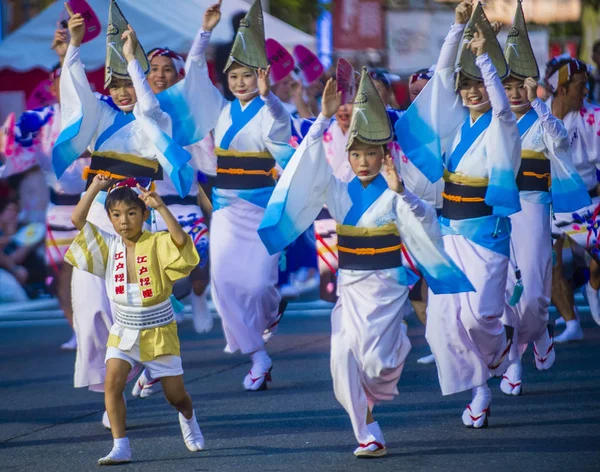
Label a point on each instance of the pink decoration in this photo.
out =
(92, 23)
(282, 62)
(41, 96)
(308, 63)
(346, 82)
(8, 142)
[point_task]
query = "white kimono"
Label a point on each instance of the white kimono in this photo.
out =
(583, 128)
(369, 342)
(531, 249)
(464, 330)
(243, 274)
(85, 122)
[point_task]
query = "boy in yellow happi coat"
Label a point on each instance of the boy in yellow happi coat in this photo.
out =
(139, 269)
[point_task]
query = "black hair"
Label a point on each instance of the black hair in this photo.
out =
(125, 195)
(235, 21)
(596, 46)
(4, 202)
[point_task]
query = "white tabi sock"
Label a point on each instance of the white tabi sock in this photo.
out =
(511, 380)
(476, 413)
(261, 365)
(543, 352)
(121, 452)
(203, 318)
(190, 430)
(375, 430)
(482, 397)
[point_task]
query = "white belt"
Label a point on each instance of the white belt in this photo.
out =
(145, 317)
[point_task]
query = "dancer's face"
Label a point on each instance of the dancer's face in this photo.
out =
(162, 74)
(127, 219)
(517, 94)
(366, 160)
(474, 95)
(123, 94)
(344, 115)
(243, 82)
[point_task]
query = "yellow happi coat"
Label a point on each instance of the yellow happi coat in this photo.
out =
(159, 263)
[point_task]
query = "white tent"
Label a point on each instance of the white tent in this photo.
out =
(158, 23)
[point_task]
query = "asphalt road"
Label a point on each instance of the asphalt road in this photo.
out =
(297, 425)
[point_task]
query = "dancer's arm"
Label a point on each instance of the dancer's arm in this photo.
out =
(451, 45)
(80, 213)
(153, 200)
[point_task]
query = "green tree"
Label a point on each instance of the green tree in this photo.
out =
(301, 14)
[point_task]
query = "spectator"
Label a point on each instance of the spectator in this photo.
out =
(12, 275)
(594, 76)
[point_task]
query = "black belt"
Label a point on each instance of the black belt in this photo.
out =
(122, 168)
(368, 257)
(63, 198)
(534, 175)
(232, 172)
(177, 200)
(455, 207)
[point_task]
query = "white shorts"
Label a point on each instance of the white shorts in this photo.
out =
(162, 366)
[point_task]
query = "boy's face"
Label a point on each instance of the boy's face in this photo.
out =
(123, 94)
(127, 219)
(366, 160)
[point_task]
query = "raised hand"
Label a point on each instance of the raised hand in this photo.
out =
(131, 43)
(531, 85)
(332, 99)
(390, 173)
(150, 198)
(60, 42)
(212, 16)
(76, 28)
(101, 182)
(463, 12)
(478, 43)
(264, 82)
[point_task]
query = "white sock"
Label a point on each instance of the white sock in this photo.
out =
(514, 371)
(192, 436)
(573, 325)
(121, 452)
(543, 344)
(203, 319)
(482, 397)
(376, 432)
(261, 362)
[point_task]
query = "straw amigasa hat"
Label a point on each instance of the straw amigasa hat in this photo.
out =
(116, 64)
(249, 45)
(518, 51)
(466, 59)
(370, 122)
